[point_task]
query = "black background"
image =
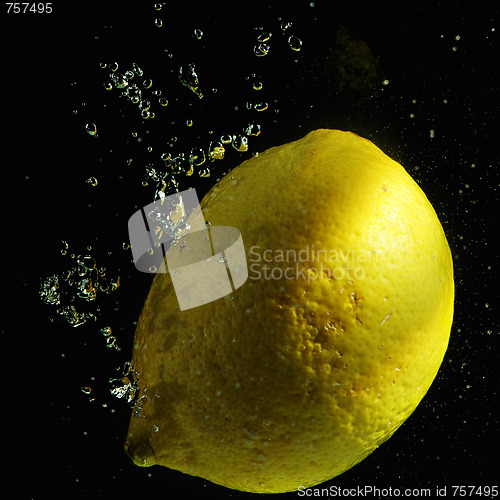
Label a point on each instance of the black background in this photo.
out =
(442, 57)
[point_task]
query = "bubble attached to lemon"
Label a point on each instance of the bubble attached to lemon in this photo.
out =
(328, 346)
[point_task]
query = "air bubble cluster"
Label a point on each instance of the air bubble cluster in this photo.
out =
(73, 290)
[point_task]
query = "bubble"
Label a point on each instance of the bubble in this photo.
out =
(261, 106)
(198, 33)
(295, 43)
(158, 22)
(49, 290)
(261, 49)
(264, 37)
(240, 143)
(120, 81)
(162, 101)
(91, 129)
(73, 317)
(106, 331)
(111, 342)
(252, 129)
(138, 71)
(197, 157)
(92, 181)
(216, 151)
(189, 78)
(87, 262)
(124, 388)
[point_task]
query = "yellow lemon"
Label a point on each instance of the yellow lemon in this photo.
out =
(328, 346)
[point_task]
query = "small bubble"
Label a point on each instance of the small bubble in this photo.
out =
(261, 49)
(240, 143)
(91, 129)
(252, 129)
(197, 157)
(158, 22)
(106, 331)
(92, 181)
(198, 33)
(295, 43)
(216, 151)
(162, 101)
(261, 106)
(264, 37)
(120, 81)
(138, 71)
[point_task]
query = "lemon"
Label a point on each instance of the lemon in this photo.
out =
(328, 346)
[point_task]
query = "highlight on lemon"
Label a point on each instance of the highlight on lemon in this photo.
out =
(329, 345)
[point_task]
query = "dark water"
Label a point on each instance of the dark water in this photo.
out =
(420, 83)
